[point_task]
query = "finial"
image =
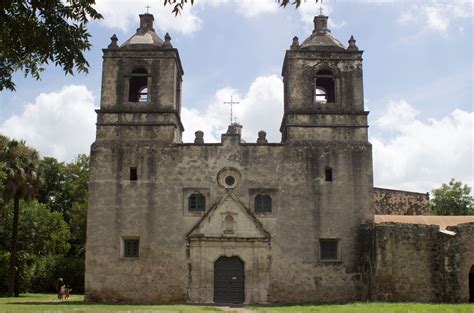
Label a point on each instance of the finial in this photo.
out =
(295, 44)
(199, 136)
(148, 7)
(352, 44)
(167, 40)
(262, 137)
(113, 43)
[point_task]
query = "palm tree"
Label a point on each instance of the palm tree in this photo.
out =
(21, 183)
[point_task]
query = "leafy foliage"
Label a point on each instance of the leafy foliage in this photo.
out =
(452, 199)
(51, 231)
(35, 32)
(42, 234)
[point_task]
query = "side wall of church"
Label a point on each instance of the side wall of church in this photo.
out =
(421, 263)
(154, 209)
(400, 202)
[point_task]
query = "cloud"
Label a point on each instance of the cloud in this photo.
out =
(252, 8)
(259, 108)
(415, 154)
(123, 15)
(436, 16)
(59, 124)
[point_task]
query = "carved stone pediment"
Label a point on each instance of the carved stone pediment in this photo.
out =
(229, 218)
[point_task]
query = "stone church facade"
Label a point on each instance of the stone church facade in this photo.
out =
(237, 222)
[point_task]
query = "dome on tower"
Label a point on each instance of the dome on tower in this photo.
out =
(321, 36)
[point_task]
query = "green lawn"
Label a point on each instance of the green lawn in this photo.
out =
(48, 303)
(375, 307)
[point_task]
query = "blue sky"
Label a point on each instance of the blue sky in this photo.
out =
(418, 79)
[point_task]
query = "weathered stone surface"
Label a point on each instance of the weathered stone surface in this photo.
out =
(414, 262)
(399, 202)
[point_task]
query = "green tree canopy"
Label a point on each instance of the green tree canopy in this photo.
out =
(452, 199)
(35, 32)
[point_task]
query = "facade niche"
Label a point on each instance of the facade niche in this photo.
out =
(196, 202)
(324, 91)
(138, 87)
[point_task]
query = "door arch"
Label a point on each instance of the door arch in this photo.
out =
(229, 280)
(471, 285)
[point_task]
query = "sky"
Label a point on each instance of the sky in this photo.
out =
(418, 79)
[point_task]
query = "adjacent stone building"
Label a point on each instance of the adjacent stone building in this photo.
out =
(236, 222)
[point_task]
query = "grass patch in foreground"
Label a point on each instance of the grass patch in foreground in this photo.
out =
(49, 303)
(370, 307)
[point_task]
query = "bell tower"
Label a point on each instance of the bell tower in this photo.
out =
(141, 88)
(323, 92)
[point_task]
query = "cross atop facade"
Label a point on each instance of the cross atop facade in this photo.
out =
(231, 102)
(320, 7)
(147, 8)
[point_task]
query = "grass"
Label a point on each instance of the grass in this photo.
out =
(373, 307)
(48, 303)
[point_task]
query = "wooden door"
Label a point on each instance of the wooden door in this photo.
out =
(229, 280)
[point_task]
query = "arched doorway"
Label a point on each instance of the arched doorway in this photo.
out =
(229, 280)
(471, 285)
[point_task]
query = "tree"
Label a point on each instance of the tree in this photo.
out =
(452, 199)
(42, 240)
(34, 33)
(21, 182)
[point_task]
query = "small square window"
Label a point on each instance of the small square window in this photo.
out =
(131, 248)
(328, 249)
(133, 173)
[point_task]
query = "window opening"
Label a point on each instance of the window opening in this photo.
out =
(143, 95)
(324, 90)
(131, 248)
(138, 87)
(197, 202)
(133, 173)
(230, 180)
(328, 174)
(263, 203)
(328, 249)
(321, 95)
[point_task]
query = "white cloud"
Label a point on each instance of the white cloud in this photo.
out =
(252, 8)
(260, 108)
(436, 16)
(124, 15)
(414, 154)
(59, 124)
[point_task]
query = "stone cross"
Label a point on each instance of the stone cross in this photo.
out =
(147, 8)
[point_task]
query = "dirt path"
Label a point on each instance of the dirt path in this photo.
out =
(236, 310)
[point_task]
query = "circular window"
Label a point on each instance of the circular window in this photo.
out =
(229, 177)
(230, 180)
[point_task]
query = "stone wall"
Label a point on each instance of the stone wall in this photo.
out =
(399, 202)
(306, 209)
(413, 262)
